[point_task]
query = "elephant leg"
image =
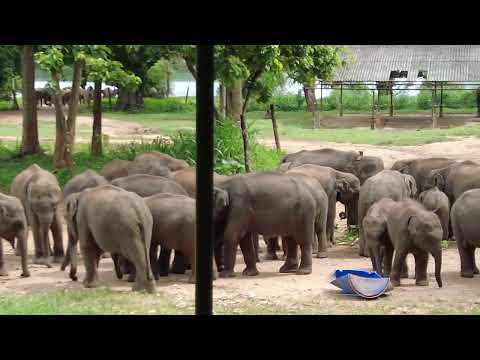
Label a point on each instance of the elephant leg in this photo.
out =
(43, 242)
(332, 207)
(388, 258)
(256, 246)
(58, 250)
(179, 263)
(291, 261)
(272, 244)
(3, 271)
(163, 261)
(154, 259)
(375, 258)
(116, 265)
(321, 236)
(398, 262)
(305, 267)
(284, 248)
(218, 257)
(91, 253)
(467, 259)
(247, 245)
(421, 262)
(229, 253)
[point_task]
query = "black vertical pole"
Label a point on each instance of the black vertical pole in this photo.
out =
(204, 204)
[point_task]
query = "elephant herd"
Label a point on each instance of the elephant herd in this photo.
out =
(140, 211)
(85, 96)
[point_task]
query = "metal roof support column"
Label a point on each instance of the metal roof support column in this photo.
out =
(341, 98)
(441, 100)
(391, 99)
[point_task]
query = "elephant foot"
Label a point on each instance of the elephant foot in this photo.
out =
(163, 273)
(476, 271)
(175, 270)
(423, 282)
(395, 283)
(25, 274)
(250, 272)
(322, 255)
(227, 274)
(288, 268)
(17, 251)
(270, 256)
(57, 259)
(42, 261)
(131, 278)
(3, 271)
(73, 277)
(105, 256)
(149, 287)
(466, 274)
(363, 253)
(330, 244)
(90, 284)
(305, 270)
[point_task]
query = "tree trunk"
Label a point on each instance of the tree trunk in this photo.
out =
(129, 99)
(30, 142)
(274, 124)
(223, 100)
(97, 120)
(309, 92)
(168, 85)
(234, 100)
(246, 143)
(65, 128)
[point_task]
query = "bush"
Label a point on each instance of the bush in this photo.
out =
(170, 105)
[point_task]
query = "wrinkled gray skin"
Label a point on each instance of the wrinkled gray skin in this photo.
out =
(436, 201)
(86, 180)
(376, 234)
(115, 169)
(187, 178)
(148, 166)
(413, 229)
(110, 219)
(40, 194)
(420, 168)
(465, 217)
(335, 183)
(386, 184)
(174, 227)
(363, 167)
(13, 224)
(148, 185)
(455, 179)
(170, 162)
(256, 207)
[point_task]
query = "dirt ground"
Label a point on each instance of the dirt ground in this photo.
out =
(297, 294)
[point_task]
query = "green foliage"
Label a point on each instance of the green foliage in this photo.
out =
(158, 75)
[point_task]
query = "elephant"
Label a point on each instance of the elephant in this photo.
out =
(255, 207)
(86, 180)
(413, 229)
(40, 194)
(187, 178)
(115, 169)
(455, 179)
(376, 234)
(148, 185)
(386, 184)
(174, 221)
(149, 167)
(13, 224)
(336, 184)
(109, 219)
(363, 167)
(172, 163)
(43, 97)
(465, 225)
(420, 168)
(436, 201)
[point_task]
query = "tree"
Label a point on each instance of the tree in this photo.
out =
(159, 76)
(30, 143)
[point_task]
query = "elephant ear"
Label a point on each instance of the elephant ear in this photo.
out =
(342, 186)
(439, 181)
(411, 184)
(220, 198)
(421, 197)
(411, 224)
(360, 156)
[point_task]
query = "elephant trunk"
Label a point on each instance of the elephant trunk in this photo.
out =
(22, 243)
(437, 255)
(352, 213)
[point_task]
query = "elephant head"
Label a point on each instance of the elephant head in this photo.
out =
(402, 166)
(221, 201)
(284, 167)
(148, 166)
(435, 178)
(43, 197)
(426, 233)
(411, 185)
(365, 166)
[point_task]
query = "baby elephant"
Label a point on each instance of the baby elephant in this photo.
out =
(414, 229)
(13, 224)
(436, 201)
(376, 233)
(110, 219)
(466, 229)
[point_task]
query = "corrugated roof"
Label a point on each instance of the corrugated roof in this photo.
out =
(442, 62)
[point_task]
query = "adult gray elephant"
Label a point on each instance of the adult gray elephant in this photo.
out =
(466, 229)
(413, 229)
(149, 167)
(187, 178)
(455, 179)
(167, 160)
(40, 194)
(86, 180)
(363, 167)
(13, 225)
(115, 169)
(256, 207)
(386, 184)
(148, 185)
(436, 201)
(110, 219)
(420, 168)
